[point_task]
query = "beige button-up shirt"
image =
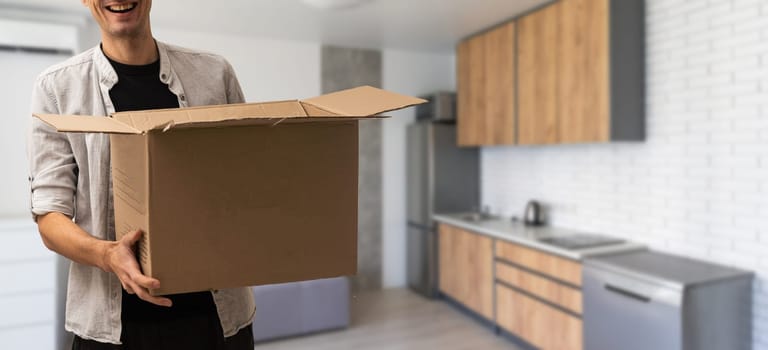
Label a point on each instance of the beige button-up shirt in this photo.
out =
(70, 172)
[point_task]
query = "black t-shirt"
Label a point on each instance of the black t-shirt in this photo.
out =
(140, 88)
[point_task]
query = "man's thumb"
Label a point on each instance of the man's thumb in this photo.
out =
(133, 237)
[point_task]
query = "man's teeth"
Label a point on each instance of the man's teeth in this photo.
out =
(119, 8)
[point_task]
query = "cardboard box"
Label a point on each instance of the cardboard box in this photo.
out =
(238, 195)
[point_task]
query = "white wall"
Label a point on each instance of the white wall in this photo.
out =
(268, 69)
(26, 287)
(414, 74)
(18, 71)
(699, 185)
(26, 267)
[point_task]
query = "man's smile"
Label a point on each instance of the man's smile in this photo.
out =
(121, 8)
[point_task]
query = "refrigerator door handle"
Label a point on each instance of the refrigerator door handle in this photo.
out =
(420, 226)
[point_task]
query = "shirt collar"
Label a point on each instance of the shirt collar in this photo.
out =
(108, 76)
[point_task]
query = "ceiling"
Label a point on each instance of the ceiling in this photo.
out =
(424, 25)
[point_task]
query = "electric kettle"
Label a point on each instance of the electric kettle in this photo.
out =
(533, 215)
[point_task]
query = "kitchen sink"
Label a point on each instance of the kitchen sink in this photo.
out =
(478, 217)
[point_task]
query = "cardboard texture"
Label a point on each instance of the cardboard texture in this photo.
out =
(239, 195)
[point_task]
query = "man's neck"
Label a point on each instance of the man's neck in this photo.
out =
(134, 51)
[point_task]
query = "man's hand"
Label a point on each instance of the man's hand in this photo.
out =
(61, 235)
(120, 259)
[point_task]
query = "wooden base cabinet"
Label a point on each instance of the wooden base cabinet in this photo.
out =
(466, 268)
(530, 293)
(537, 323)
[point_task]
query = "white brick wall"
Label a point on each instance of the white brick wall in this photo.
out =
(698, 186)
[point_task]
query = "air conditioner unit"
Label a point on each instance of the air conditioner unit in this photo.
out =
(38, 36)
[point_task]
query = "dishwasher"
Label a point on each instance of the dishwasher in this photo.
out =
(651, 300)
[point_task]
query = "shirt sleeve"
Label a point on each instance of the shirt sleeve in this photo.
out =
(52, 166)
(234, 92)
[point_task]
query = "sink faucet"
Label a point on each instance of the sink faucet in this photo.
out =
(484, 211)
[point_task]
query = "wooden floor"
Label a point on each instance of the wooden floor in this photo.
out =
(399, 319)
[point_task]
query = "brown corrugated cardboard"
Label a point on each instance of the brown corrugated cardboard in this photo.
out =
(239, 195)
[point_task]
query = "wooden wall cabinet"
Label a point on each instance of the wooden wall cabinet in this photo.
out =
(584, 64)
(579, 77)
(602, 70)
(581, 72)
(470, 81)
(466, 269)
(537, 55)
(486, 88)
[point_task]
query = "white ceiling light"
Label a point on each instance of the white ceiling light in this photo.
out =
(336, 4)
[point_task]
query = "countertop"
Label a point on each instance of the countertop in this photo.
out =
(516, 232)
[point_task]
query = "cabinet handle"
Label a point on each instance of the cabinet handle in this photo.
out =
(628, 294)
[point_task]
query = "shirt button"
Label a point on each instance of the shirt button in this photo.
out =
(162, 76)
(182, 98)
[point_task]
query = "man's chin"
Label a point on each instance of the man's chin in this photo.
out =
(125, 32)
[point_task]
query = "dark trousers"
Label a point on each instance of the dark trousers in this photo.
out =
(187, 334)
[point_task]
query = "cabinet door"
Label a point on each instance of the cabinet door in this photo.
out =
(499, 89)
(583, 107)
(537, 323)
(471, 91)
(448, 243)
(537, 54)
(466, 269)
(477, 272)
(565, 296)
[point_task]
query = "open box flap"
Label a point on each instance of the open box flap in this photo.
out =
(263, 121)
(236, 113)
(362, 101)
(82, 123)
(357, 103)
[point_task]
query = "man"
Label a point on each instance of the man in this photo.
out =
(108, 303)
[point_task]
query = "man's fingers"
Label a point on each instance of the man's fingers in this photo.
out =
(144, 295)
(133, 237)
(144, 281)
(125, 280)
(128, 289)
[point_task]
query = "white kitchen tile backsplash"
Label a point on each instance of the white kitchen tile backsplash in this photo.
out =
(698, 186)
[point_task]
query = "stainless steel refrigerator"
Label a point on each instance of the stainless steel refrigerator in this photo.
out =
(441, 178)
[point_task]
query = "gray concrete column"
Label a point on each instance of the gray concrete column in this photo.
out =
(344, 68)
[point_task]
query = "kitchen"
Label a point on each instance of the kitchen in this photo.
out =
(694, 186)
